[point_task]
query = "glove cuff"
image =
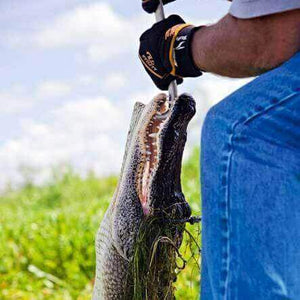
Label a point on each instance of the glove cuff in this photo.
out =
(183, 58)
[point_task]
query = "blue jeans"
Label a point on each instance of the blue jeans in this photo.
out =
(250, 164)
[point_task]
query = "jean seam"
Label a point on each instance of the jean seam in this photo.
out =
(226, 224)
(266, 109)
(244, 120)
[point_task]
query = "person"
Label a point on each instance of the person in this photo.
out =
(250, 149)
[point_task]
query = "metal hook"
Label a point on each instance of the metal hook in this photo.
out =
(160, 15)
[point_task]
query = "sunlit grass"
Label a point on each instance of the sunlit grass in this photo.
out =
(47, 237)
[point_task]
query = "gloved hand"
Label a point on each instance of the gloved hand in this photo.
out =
(150, 6)
(157, 46)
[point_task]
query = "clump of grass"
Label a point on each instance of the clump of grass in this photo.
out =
(157, 260)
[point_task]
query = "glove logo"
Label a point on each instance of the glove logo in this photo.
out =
(148, 59)
(180, 46)
(181, 39)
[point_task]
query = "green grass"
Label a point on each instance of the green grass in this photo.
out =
(47, 237)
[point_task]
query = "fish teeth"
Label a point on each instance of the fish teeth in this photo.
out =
(148, 152)
(153, 135)
(161, 117)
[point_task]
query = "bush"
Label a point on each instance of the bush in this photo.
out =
(47, 237)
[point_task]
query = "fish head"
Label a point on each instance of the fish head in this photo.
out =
(150, 184)
(162, 137)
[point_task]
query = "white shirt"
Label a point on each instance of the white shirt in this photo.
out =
(246, 9)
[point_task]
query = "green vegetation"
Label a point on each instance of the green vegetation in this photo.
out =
(154, 260)
(47, 237)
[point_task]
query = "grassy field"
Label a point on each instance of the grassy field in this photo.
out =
(47, 237)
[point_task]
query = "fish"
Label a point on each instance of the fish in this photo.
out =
(148, 192)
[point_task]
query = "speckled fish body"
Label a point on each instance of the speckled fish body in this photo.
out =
(149, 182)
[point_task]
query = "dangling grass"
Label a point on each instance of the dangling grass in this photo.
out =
(154, 261)
(158, 261)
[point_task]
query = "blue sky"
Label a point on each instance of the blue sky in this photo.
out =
(70, 76)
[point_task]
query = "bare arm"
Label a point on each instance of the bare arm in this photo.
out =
(242, 48)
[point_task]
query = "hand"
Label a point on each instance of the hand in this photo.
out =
(158, 46)
(150, 6)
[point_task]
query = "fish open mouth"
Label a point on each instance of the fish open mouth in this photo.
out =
(162, 139)
(150, 146)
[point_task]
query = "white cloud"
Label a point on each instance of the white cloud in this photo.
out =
(208, 91)
(97, 115)
(18, 99)
(214, 88)
(100, 53)
(87, 80)
(81, 26)
(15, 99)
(10, 103)
(115, 81)
(86, 134)
(51, 89)
(96, 27)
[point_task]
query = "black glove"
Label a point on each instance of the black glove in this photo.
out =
(157, 45)
(150, 6)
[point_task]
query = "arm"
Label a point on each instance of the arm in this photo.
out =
(172, 49)
(242, 48)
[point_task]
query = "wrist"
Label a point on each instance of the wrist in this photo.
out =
(181, 56)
